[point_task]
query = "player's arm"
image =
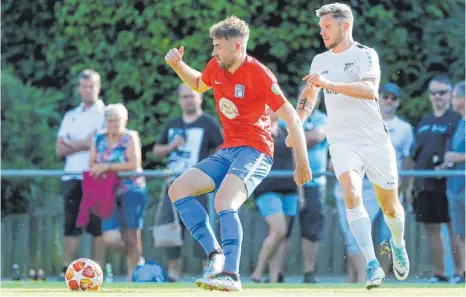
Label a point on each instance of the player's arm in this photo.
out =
(366, 89)
(190, 76)
(296, 132)
(306, 102)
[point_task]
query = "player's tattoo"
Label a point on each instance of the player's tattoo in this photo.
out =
(306, 105)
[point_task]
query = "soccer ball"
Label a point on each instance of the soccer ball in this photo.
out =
(84, 275)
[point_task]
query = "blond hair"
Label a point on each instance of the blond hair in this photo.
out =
(90, 74)
(231, 27)
(338, 11)
(117, 109)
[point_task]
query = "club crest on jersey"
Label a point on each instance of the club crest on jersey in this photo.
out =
(348, 67)
(228, 108)
(276, 89)
(239, 91)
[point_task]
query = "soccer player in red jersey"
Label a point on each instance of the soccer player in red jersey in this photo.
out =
(244, 91)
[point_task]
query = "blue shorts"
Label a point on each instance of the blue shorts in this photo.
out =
(247, 163)
(129, 211)
(272, 203)
(457, 212)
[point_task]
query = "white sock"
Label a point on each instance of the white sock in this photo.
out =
(397, 226)
(360, 225)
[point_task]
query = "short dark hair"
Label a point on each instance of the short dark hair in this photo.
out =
(441, 78)
(230, 27)
(89, 74)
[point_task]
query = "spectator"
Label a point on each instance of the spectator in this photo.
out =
(313, 193)
(454, 158)
(430, 202)
(277, 201)
(186, 140)
(74, 139)
(401, 135)
(118, 149)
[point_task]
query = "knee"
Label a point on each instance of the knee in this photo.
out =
(352, 198)
(111, 238)
(221, 204)
(175, 191)
(278, 233)
(391, 211)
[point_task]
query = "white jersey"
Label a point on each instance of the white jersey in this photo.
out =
(401, 133)
(351, 120)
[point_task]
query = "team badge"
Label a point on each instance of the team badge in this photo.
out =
(239, 91)
(228, 108)
(348, 67)
(276, 89)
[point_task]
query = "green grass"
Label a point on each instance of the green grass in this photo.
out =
(19, 289)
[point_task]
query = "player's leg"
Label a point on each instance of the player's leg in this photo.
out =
(312, 225)
(457, 214)
(248, 168)
(94, 228)
(271, 208)
(204, 177)
(383, 173)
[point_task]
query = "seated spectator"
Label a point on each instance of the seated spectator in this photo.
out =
(118, 149)
(277, 201)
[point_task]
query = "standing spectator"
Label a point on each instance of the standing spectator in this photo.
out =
(186, 140)
(313, 193)
(401, 135)
(73, 143)
(454, 158)
(277, 201)
(118, 149)
(430, 202)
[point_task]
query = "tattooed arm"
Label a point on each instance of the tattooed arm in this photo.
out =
(306, 102)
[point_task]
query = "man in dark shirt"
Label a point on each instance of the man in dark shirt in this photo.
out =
(430, 202)
(186, 140)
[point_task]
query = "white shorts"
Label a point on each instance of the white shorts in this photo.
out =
(378, 161)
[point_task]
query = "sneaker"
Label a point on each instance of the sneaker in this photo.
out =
(280, 279)
(375, 275)
(309, 278)
(215, 266)
(400, 261)
(457, 279)
(435, 279)
(222, 282)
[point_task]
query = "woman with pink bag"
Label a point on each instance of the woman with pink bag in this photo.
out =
(118, 149)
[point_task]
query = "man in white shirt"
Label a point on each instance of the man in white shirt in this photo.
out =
(349, 74)
(402, 137)
(74, 138)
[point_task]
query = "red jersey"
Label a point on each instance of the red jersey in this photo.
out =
(243, 100)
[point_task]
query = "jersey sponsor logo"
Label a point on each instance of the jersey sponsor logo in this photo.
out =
(239, 91)
(348, 67)
(276, 89)
(324, 72)
(327, 91)
(228, 108)
(218, 82)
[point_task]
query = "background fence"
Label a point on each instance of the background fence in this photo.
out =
(33, 240)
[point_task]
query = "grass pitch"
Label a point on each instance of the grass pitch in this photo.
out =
(19, 289)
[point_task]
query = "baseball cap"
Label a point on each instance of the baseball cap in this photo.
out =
(391, 88)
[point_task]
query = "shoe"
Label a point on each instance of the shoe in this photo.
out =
(280, 279)
(309, 278)
(400, 261)
(457, 279)
(32, 275)
(215, 266)
(375, 275)
(222, 282)
(40, 276)
(435, 279)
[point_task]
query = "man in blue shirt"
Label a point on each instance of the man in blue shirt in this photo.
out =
(454, 158)
(312, 195)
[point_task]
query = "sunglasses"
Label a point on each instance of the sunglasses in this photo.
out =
(391, 97)
(439, 92)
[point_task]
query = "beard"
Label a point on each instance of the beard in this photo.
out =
(337, 41)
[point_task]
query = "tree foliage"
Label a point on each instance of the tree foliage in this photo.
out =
(47, 43)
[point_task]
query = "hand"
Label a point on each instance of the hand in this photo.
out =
(99, 169)
(174, 56)
(449, 157)
(288, 141)
(302, 174)
(177, 142)
(315, 81)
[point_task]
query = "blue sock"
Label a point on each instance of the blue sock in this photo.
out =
(196, 220)
(232, 237)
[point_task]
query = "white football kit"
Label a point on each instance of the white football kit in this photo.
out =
(357, 135)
